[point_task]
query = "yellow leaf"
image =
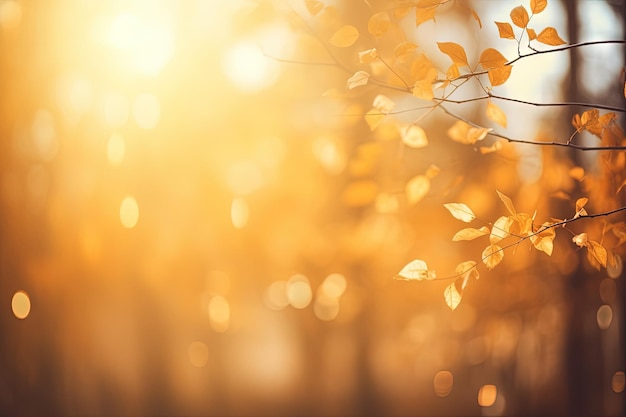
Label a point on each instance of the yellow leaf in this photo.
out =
(452, 296)
(455, 52)
(532, 35)
(505, 30)
(501, 229)
(477, 18)
(549, 36)
(580, 240)
(368, 56)
(423, 89)
(404, 50)
(523, 224)
(474, 134)
(491, 58)
(453, 72)
(467, 270)
(470, 233)
(492, 256)
(359, 193)
(498, 76)
(580, 204)
(345, 36)
(373, 118)
(423, 69)
(496, 114)
(460, 211)
(432, 171)
(537, 6)
(544, 240)
(598, 252)
(424, 14)
(416, 270)
(519, 16)
(383, 104)
(508, 203)
(358, 79)
(417, 188)
(495, 147)
(313, 6)
(414, 136)
(379, 24)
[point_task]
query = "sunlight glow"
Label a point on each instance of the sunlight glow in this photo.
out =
(129, 212)
(44, 135)
(20, 304)
(10, 14)
(239, 213)
(443, 382)
(248, 68)
(219, 313)
(618, 381)
(116, 148)
(299, 291)
(146, 111)
(604, 316)
(487, 395)
(275, 296)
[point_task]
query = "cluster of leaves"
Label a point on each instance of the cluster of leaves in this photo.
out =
(402, 66)
(505, 232)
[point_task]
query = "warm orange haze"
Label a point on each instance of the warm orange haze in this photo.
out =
(317, 208)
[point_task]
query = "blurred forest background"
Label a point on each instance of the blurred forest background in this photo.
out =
(190, 225)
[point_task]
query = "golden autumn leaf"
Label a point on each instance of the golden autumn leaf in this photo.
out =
(453, 72)
(495, 147)
(477, 18)
(505, 30)
(455, 52)
(544, 240)
(470, 233)
(491, 58)
(358, 79)
(368, 56)
(313, 6)
(414, 136)
(383, 104)
(597, 252)
(580, 240)
(404, 50)
(373, 118)
(549, 36)
(417, 188)
(378, 24)
(519, 16)
(580, 210)
(467, 270)
(359, 193)
(423, 89)
(508, 203)
(345, 36)
(424, 14)
(460, 211)
(532, 35)
(537, 6)
(496, 114)
(498, 76)
(475, 134)
(423, 69)
(416, 270)
(501, 229)
(466, 134)
(492, 256)
(452, 296)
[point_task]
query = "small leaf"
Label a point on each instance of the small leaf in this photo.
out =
(414, 136)
(373, 118)
(496, 114)
(537, 6)
(549, 36)
(432, 171)
(544, 240)
(453, 72)
(501, 229)
(345, 36)
(580, 210)
(498, 76)
(598, 252)
(416, 270)
(491, 58)
(474, 134)
(313, 6)
(404, 50)
(505, 30)
(452, 296)
(580, 240)
(466, 134)
(467, 270)
(368, 56)
(424, 14)
(519, 16)
(508, 203)
(417, 188)
(492, 256)
(470, 233)
(532, 35)
(460, 211)
(379, 24)
(383, 103)
(423, 89)
(455, 52)
(477, 18)
(358, 79)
